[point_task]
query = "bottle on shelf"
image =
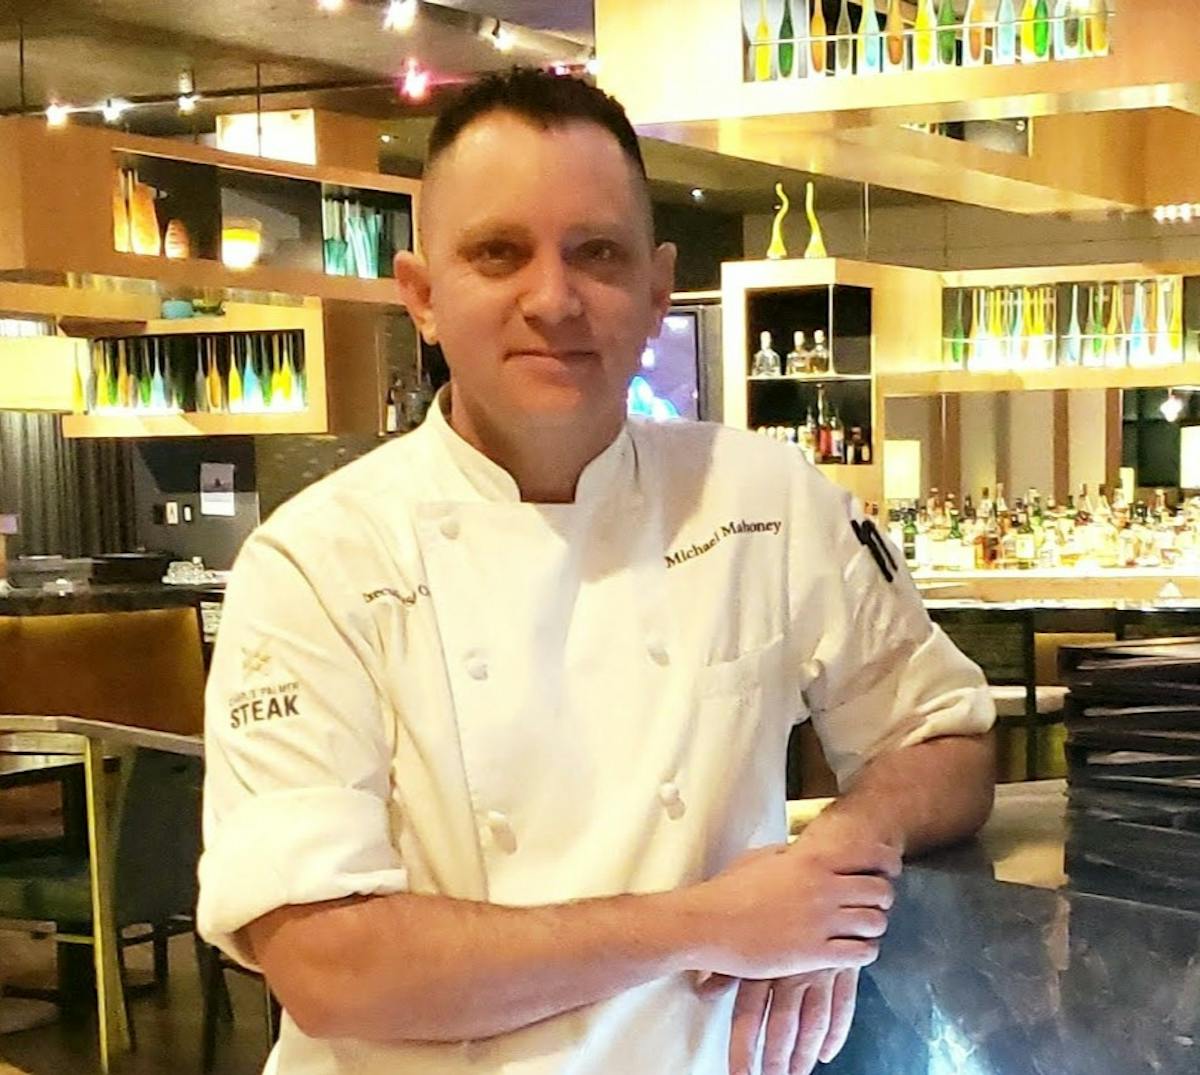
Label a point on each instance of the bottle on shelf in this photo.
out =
(924, 36)
(1115, 339)
(958, 335)
(1139, 336)
(1175, 330)
(947, 34)
(975, 23)
(787, 42)
(760, 51)
(1097, 35)
(909, 535)
(819, 356)
(1004, 43)
(845, 41)
(870, 42)
(1027, 31)
(824, 430)
(858, 448)
(797, 357)
(1093, 342)
(1073, 343)
(808, 437)
(1066, 29)
(837, 439)
(818, 33)
(895, 46)
(766, 358)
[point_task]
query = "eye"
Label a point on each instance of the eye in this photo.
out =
(600, 251)
(497, 255)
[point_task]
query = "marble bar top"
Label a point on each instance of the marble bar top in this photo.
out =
(104, 598)
(996, 964)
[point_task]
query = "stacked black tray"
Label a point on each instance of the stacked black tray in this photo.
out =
(1133, 758)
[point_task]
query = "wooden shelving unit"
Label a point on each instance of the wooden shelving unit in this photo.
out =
(950, 382)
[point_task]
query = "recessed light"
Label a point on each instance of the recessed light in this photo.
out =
(57, 115)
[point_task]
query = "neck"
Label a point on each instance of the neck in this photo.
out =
(544, 459)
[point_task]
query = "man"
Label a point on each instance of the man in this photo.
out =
(497, 712)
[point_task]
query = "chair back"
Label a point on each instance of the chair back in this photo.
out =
(144, 668)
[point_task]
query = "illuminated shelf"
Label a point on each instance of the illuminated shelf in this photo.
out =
(813, 377)
(949, 382)
(190, 425)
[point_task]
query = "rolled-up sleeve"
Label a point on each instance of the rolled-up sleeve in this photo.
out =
(298, 754)
(883, 677)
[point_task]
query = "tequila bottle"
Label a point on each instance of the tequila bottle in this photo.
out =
(819, 359)
(797, 358)
(766, 358)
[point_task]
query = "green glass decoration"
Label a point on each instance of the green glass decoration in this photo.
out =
(947, 38)
(787, 42)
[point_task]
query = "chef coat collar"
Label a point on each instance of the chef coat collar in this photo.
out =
(484, 479)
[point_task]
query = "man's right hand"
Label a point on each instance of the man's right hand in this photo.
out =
(781, 911)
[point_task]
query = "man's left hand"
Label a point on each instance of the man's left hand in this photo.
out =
(807, 1019)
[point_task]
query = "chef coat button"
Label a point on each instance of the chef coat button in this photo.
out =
(502, 832)
(449, 528)
(813, 670)
(477, 668)
(669, 796)
(658, 651)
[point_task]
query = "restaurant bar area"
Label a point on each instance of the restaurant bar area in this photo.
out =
(944, 254)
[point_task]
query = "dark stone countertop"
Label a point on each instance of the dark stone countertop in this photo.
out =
(996, 964)
(105, 598)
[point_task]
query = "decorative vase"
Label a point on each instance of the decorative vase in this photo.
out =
(177, 244)
(778, 249)
(816, 242)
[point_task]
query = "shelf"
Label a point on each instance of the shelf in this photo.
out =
(811, 377)
(949, 382)
(190, 425)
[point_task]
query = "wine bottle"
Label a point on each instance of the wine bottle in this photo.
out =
(870, 42)
(200, 383)
(1004, 45)
(975, 34)
(1115, 341)
(1074, 342)
(947, 36)
(924, 36)
(894, 36)
(761, 49)
(1139, 348)
(1097, 36)
(845, 41)
(818, 45)
(288, 376)
(1066, 30)
(958, 335)
(279, 391)
(787, 42)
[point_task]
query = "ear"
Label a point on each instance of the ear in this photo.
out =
(662, 283)
(412, 280)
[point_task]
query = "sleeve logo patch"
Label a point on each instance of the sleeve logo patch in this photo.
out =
(260, 704)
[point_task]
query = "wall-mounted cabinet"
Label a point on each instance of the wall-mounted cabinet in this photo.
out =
(185, 215)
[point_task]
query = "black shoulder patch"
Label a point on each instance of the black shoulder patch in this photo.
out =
(869, 535)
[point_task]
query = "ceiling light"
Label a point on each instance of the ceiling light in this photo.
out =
(1160, 213)
(114, 108)
(1171, 407)
(385, 137)
(697, 194)
(1185, 212)
(330, 5)
(187, 83)
(416, 82)
(1172, 212)
(187, 103)
(503, 39)
(400, 15)
(57, 115)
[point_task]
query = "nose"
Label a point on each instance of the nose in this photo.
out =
(550, 296)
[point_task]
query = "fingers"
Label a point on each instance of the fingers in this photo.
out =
(845, 997)
(815, 1013)
(783, 1024)
(843, 953)
(866, 891)
(749, 1010)
(864, 923)
(868, 858)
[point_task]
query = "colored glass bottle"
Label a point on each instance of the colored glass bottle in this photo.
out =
(235, 379)
(761, 49)
(958, 335)
(1093, 345)
(947, 36)
(818, 46)
(1114, 333)
(145, 376)
(974, 34)
(1097, 36)
(1176, 329)
(158, 383)
(252, 396)
(1027, 30)
(845, 40)
(1074, 341)
(924, 35)
(1066, 30)
(1139, 341)
(787, 42)
(893, 33)
(1004, 46)
(870, 42)
(1041, 30)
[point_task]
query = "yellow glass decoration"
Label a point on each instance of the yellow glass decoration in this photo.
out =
(177, 244)
(241, 242)
(1098, 28)
(974, 33)
(1028, 28)
(762, 47)
(1176, 330)
(778, 249)
(818, 32)
(816, 242)
(894, 35)
(924, 39)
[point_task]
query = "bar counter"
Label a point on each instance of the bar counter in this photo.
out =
(126, 597)
(1011, 584)
(996, 964)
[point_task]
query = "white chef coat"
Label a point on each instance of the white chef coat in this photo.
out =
(422, 684)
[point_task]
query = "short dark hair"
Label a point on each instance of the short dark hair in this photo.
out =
(542, 98)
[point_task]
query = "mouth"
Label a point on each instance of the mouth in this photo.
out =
(564, 355)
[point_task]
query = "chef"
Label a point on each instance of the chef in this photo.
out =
(497, 715)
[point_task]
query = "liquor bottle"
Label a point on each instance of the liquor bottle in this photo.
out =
(201, 384)
(144, 376)
(290, 382)
(796, 357)
(216, 394)
(1176, 327)
(235, 378)
(1027, 30)
(818, 31)
(1066, 30)
(1115, 341)
(1004, 45)
(958, 335)
(1139, 340)
(910, 539)
(760, 51)
(947, 35)
(158, 383)
(1041, 30)
(809, 437)
(1017, 330)
(894, 53)
(1001, 505)
(1161, 333)
(975, 339)
(1074, 342)
(924, 36)
(845, 41)
(819, 360)
(766, 358)
(252, 396)
(986, 507)
(787, 42)
(870, 42)
(1093, 352)
(975, 34)
(837, 439)
(1097, 35)
(824, 431)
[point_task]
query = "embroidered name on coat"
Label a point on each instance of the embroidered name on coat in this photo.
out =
(738, 528)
